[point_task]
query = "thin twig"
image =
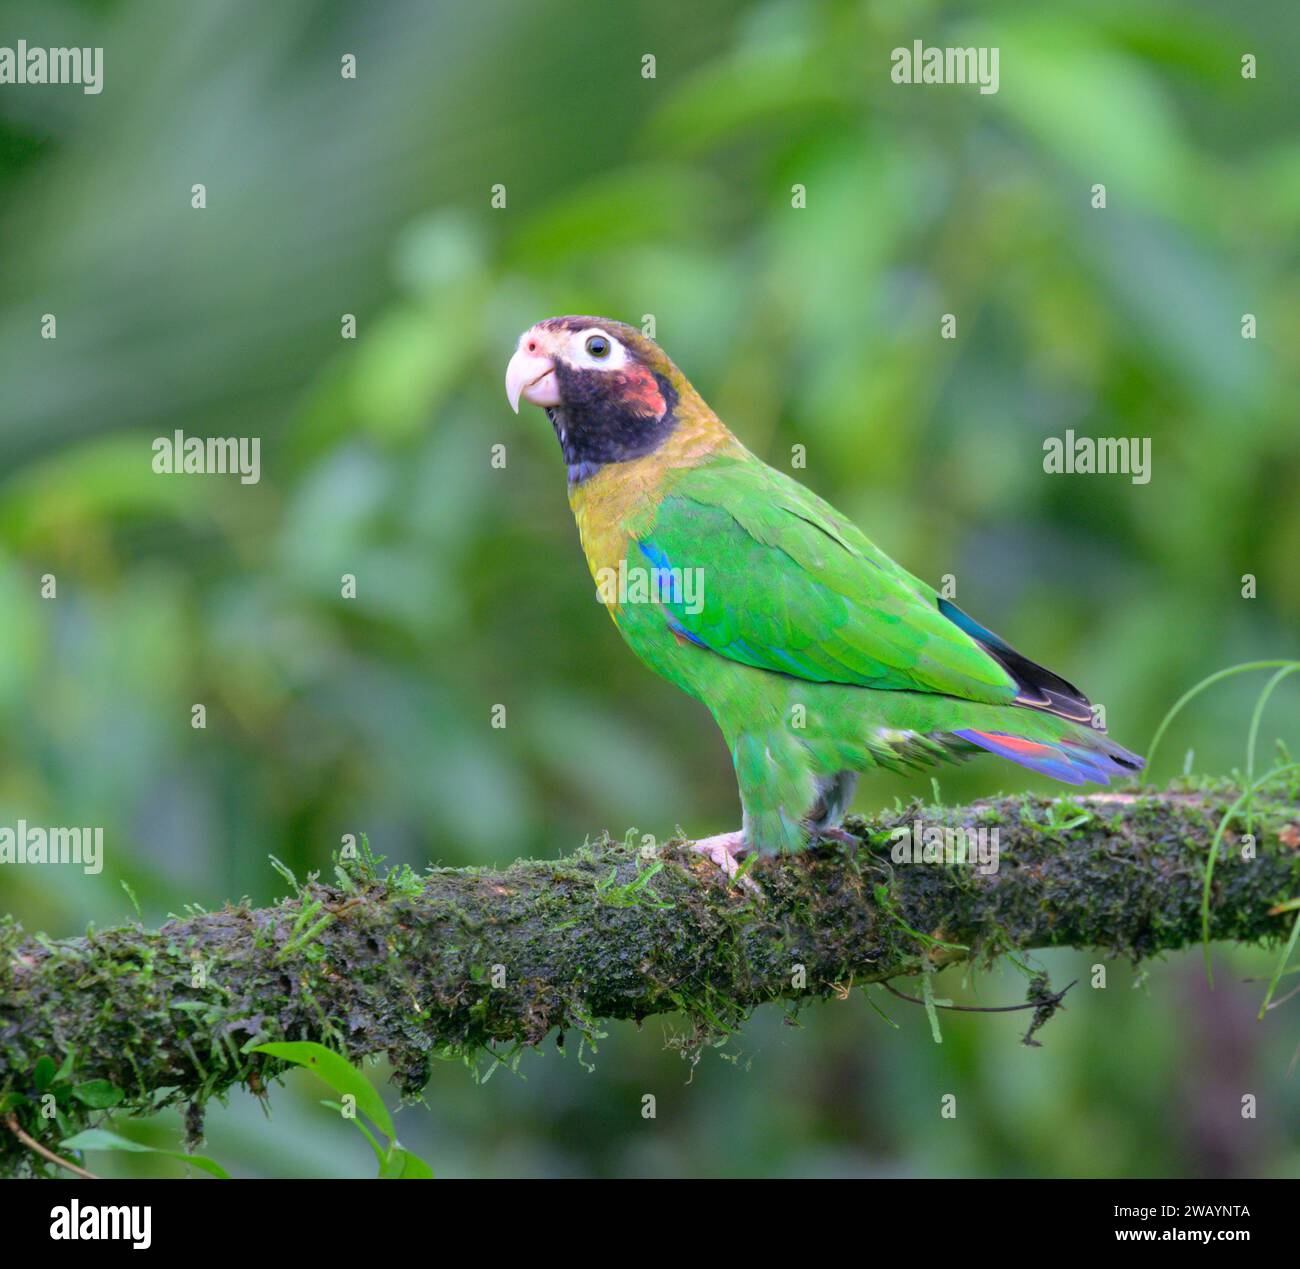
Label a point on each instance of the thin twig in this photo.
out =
(1281, 1000)
(1054, 999)
(11, 1122)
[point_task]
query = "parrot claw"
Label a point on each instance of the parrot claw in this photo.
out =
(723, 849)
(841, 835)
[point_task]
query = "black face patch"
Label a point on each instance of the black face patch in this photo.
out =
(610, 416)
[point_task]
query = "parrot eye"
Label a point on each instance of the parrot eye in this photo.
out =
(598, 346)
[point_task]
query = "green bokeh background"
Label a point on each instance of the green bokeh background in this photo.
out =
(818, 327)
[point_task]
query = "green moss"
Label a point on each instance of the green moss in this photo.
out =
(403, 966)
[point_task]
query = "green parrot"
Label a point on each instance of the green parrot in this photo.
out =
(818, 656)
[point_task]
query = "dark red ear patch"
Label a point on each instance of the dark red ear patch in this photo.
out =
(638, 389)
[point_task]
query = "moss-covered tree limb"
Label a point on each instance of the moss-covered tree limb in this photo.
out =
(471, 963)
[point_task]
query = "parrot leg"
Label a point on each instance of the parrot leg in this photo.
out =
(723, 849)
(834, 795)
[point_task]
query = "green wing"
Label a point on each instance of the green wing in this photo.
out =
(788, 584)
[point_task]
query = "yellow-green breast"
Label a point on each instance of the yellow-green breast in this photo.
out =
(619, 500)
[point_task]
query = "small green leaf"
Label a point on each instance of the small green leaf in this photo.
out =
(102, 1139)
(65, 1070)
(337, 1072)
(97, 1094)
(402, 1165)
(43, 1073)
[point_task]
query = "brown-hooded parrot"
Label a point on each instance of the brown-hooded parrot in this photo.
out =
(818, 656)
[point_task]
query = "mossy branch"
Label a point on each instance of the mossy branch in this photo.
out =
(474, 964)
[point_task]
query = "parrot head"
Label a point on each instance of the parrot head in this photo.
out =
(609, 392)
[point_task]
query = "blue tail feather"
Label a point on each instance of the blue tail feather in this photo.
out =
(1090, 759)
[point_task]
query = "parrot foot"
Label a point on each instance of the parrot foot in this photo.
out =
(723, 849)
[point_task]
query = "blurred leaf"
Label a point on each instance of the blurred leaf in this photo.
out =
(764, 87)
(659, 201)
(102, 1139)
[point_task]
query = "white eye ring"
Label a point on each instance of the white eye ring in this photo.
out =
(614, 359)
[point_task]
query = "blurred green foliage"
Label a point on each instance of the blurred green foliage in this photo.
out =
(819, 327)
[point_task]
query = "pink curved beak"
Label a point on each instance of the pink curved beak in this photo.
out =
(532, 377)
